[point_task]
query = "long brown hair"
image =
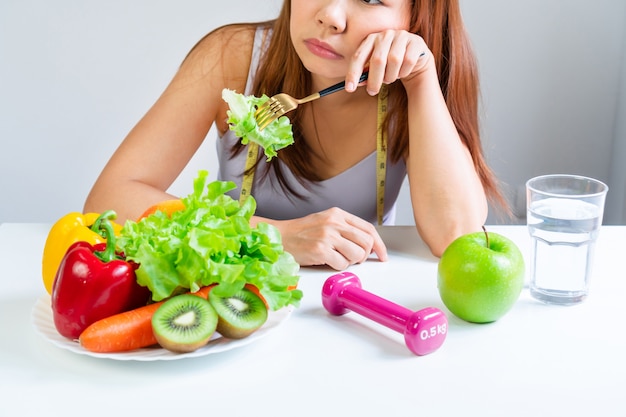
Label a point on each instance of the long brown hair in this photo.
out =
(440, 24)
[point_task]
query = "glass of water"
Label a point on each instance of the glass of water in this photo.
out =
(564, 218)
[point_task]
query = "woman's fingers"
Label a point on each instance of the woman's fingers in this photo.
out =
(389, 55)
(366, 236)
(332, 237)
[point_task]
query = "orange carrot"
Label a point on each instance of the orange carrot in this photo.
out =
(121, 332)
(126, 331)
(255, 290)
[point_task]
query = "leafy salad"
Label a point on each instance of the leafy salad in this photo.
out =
(209, 242)
(275, 136)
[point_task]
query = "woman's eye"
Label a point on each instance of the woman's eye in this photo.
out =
(372, 1)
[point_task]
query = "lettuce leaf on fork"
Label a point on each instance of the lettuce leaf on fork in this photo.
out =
(275, 136)
(211, 242)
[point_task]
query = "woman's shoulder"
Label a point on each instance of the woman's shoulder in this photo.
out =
(221, 59)
(234, 34)
(227, 47)
(232, 39)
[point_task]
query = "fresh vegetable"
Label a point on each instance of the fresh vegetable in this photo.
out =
(256, 292)
(167, 207)
(121, 332)
(125, 331)
(93, 282)
(71, 228)
(275, 136)
(210, 242)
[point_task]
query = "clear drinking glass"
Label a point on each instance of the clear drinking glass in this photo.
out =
(564, 218)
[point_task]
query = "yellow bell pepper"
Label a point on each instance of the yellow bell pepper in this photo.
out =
(71, 228)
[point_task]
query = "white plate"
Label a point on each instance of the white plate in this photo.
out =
(43, 321)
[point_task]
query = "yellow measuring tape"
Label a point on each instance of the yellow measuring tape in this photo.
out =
(381, 154)
(248, 175)
(381, 159)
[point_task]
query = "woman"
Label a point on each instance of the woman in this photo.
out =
(321, 191)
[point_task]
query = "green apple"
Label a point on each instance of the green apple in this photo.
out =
(480, 276)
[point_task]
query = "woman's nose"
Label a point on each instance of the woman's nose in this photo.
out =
(332, 16)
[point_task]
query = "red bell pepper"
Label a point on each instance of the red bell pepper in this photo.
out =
(94, 282)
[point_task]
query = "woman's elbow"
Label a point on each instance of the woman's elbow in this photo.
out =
(439, 238)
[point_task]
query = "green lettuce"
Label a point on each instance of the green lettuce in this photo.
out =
(274, 137)
(211, 242)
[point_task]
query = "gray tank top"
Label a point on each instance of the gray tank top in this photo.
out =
(353, 190)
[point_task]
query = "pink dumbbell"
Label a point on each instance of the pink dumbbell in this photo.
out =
(424, 330)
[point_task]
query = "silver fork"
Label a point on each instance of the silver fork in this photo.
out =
(282, 103)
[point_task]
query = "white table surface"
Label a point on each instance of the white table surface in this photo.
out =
(537, 360)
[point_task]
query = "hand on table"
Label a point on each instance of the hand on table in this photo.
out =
(332, 237)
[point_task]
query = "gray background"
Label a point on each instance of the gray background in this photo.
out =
(75, 76)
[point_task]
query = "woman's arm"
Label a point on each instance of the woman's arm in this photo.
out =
(446, 191)
(447, 194)
(159, 147)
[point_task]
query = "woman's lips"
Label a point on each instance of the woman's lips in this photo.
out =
(321, 49)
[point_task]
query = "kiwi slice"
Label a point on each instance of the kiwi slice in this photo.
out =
(240, 314)
(184, 323)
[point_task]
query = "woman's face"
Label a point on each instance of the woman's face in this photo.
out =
(326, 33)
